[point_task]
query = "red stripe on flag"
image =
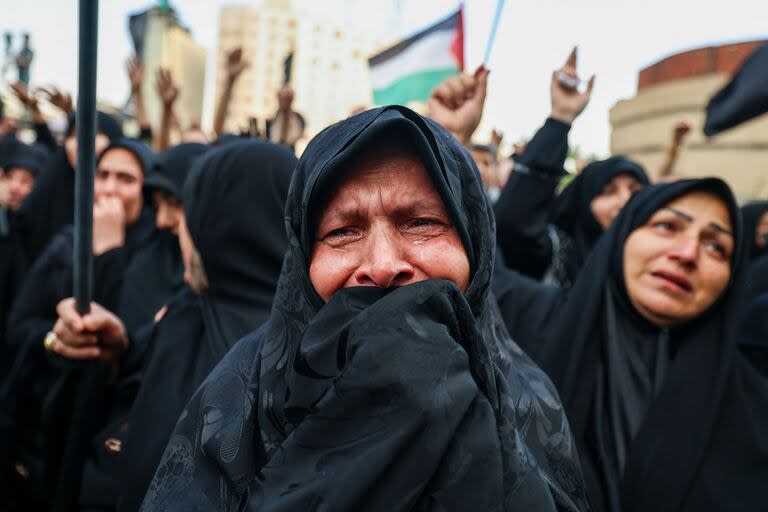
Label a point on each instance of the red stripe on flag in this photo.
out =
(457, 46)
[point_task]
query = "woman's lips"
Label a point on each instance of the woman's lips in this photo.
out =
(673, 279)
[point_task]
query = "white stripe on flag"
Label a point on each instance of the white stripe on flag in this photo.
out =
(432, 52)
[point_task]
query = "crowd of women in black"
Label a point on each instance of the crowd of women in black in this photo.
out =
(366, 329)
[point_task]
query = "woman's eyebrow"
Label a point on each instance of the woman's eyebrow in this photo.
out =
(719, 228)
(689, 218)
(685, 216)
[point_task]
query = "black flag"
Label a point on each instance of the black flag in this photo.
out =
(287, 68)
(744, 98)
(137, 26)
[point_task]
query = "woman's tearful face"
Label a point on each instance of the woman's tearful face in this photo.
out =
(385, 225)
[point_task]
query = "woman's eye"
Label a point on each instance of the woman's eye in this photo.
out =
(419, 223)
(424, 225)
(338, 233)
(339, 237)
(718, 248)
(664, 226)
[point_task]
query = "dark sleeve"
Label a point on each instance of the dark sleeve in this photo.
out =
(527, 306)
(34, 311)
(523, 207)
(45, 137)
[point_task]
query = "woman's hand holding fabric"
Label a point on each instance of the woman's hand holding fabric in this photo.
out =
(384, 405)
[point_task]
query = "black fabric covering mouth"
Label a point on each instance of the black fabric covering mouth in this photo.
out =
(172, 167)
(395, 399)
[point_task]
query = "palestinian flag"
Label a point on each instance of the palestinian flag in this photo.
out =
(410, 70)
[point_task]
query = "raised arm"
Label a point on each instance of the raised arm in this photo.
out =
(236, 64)
(168, 92)
(457, 104)
(42, 132)
(522, 211)
(667, 170)
(135, 71)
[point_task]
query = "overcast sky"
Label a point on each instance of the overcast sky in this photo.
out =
(616, 39)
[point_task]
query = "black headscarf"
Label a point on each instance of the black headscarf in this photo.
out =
(28, 157)
(657, 413)
(172, 168)
(105, 124)
(51, 204)
(572, 213)
(234, 201)
(751, 214)
(397, 399)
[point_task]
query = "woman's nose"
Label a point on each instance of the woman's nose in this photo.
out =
(686, 251)
(384, 262)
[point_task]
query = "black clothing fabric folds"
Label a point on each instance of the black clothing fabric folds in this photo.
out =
(411, 398)
(234, 201)
(751, 213)
(51, 204)
(172, 168)
(543, 235)
(665, 419)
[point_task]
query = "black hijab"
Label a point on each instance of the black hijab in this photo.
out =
(657, 413)
(51, 204)
(172, 167)
(397, 399)
(234, 201)
(572, 213)
(751, 214)
(28, 157)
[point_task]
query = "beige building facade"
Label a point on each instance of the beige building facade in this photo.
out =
(329, 72)
(679, 88)
(167, 44)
